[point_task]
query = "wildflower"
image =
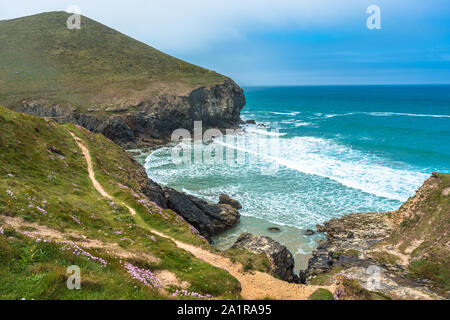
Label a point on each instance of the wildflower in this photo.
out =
(142, 275)
(190, 294)
(1, 231)
(41, 210)
(76, 220)
(79, 251)
(338, 293)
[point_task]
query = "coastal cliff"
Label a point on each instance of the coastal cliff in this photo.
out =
(153, 120)
(109, 83)
(406, 251)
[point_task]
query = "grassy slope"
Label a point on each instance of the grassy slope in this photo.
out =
(426, 222)
(40, 59)
(32, 176)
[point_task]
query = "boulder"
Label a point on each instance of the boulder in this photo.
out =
(225, 199)
(250, 122)
(281, 261)
(208, 218)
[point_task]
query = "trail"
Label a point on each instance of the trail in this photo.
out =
(255, 285)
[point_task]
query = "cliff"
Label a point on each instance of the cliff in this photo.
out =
(108, 82)
(406, 251)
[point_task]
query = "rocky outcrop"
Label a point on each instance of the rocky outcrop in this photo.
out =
(225, 199)
(406, 251)
(153, 120)
(281, 261)
(208, 218)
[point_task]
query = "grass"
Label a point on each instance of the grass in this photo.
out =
(96, 66)
(428, 223)
(385, 258)
(51, 189)
(321, 294)
(249, 261)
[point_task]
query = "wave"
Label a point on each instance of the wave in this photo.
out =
(286, 113)
(302, 124)
(387, 114)
(340, 163)
(264, 132)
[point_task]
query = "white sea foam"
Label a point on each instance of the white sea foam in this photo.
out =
(351, 168)
(387, 114)
(286, 113)
(302, 124)
(265, 132)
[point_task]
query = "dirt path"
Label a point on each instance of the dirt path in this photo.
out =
(255, 285)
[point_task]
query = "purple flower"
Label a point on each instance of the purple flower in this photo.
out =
(41, 210)
(76, 220)
(190, 294)
(142, 275)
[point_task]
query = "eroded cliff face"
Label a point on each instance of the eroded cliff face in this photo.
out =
(152, 120)
(405, 251)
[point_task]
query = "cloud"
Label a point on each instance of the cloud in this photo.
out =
(180, 25)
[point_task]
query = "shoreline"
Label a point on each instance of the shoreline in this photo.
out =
(294, 238)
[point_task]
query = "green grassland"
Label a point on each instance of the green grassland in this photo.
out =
(96, 66)
(44, 182)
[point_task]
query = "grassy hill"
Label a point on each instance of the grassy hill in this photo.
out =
(40, 59)
(46, 194)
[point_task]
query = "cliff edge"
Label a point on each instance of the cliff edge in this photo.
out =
(402, 254)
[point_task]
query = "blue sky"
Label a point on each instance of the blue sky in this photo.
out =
(284, 42)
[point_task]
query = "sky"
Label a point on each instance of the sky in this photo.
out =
(283, 42)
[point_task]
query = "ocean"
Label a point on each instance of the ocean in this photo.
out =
(319, 152)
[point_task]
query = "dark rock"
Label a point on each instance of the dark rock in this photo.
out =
(225, 199)
(153, 120)
(309, 232)
(250, 122)
(274, 229)
(281, 261)
(208, 218)
(54, 150)
(155, 193)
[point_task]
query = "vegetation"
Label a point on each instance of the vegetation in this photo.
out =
(94, 66)
(250, 261)
(46, 194)
(321, 294)
(425, 228)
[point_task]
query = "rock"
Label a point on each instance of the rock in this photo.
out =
(116, 109)
(208, 218)
(152, 121)
(274, 229)
(320, 228)
(225, 199)
(250, 122)
(281, 261)
(309, 232)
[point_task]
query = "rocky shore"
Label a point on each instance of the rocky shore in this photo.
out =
(402, 254)
(208, 218)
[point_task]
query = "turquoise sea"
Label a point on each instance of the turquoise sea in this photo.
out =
(333, 150)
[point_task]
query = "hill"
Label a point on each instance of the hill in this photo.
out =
(107, 81)
(52, 217)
